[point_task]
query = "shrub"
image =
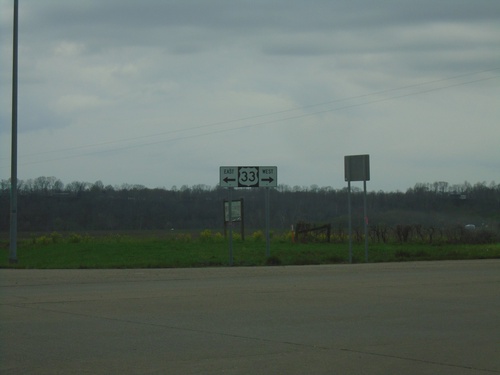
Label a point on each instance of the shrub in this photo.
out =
(52, 238)
(43, 240)
(206, 235)
(75, 238)
(482, 236)
(56, 237)
(218, 237)
(258, 235)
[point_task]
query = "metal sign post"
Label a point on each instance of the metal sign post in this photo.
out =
(268, 219)
(230, 200)
(357, 168)
(349, 213)
(366, 221)
(13, 178)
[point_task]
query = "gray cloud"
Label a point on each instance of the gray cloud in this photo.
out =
(123, 91)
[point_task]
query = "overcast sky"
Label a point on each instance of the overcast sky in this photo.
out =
(164, 92)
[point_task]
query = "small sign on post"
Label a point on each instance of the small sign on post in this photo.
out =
(357, 168)
(237, 215)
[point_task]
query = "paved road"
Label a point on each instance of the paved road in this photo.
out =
(398, 318)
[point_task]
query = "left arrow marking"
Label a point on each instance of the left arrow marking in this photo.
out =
(227, 179)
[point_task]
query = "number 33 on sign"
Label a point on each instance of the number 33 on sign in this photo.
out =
(248, 176)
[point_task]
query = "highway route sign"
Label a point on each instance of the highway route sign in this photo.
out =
(248, 176)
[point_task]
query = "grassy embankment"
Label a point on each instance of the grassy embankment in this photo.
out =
(205, 250)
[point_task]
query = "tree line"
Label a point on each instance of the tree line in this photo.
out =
(47, 204)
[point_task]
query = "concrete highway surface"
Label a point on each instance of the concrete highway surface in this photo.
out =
(388, 318)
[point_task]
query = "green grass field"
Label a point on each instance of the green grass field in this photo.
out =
(144, 250)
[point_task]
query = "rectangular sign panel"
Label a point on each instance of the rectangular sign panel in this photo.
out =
(268, 176)
(235, 211)
(248, 176)
(229, 176)
(357, 168)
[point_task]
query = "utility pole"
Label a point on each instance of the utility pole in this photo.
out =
(13, 176)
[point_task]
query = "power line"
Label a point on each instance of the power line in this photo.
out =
(262, 123)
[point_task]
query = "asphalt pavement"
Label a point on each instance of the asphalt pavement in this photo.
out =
(389, 318)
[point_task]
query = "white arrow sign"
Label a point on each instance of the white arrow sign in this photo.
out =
(229, 176)
(268, 176)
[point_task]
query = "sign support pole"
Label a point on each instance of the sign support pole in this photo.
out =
(268, 241)
(230, 200)
(366, 222)
(349, 214)
(13, 178)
